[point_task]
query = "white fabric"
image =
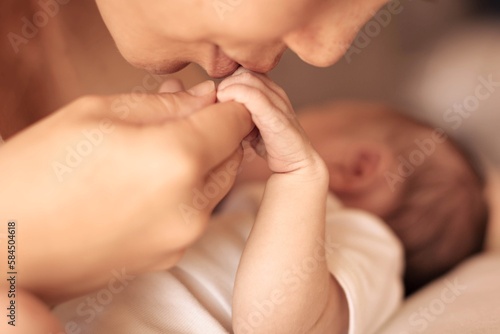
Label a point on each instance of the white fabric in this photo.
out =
(465, 301)
(195, 296)
(368, 265)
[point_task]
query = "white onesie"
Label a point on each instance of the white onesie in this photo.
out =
(195, 296)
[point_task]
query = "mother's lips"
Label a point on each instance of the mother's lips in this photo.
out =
(223, 66)
(226, 70)
(220, 66)
(222, 71)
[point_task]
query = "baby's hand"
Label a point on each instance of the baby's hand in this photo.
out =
(282, 141)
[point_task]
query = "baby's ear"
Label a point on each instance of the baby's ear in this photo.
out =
(362, 168)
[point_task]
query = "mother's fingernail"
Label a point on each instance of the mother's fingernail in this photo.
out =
(203, 89)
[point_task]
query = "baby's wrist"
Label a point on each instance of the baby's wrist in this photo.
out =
(313, 171)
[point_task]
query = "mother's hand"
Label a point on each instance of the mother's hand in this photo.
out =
(117, 185)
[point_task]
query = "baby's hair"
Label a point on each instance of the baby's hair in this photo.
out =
(442, 214)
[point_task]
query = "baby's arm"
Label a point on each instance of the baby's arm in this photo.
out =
(283, 284)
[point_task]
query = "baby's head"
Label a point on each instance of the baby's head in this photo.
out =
(409, 174)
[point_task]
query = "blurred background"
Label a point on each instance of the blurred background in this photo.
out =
(427, 60)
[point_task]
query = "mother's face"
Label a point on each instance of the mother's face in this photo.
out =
(163, 36)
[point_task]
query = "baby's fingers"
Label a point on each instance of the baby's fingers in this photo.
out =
(267, 117)
(285, 142)
(263, 77)
(261, 82)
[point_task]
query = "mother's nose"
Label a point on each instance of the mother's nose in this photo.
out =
(319, 48)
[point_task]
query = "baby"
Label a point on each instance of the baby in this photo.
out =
(287, 256)
(411, 175)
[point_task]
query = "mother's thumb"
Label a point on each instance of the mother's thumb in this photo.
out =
(203, 89)
(161, 107)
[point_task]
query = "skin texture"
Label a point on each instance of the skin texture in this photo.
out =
(81, 216)
(147, 130)
(165, 35)
(292, 212)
